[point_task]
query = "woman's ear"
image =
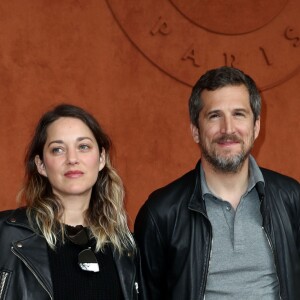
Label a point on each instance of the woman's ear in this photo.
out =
(102, 159)
(40, 166)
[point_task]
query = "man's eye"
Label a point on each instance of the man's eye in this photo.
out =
(239, 114)
(213, 116)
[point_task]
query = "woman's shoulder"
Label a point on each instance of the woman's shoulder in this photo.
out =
(4, 214)
(13, 215)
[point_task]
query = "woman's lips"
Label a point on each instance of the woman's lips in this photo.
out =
(73, 174)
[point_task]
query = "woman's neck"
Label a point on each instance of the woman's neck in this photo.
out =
(74, 211)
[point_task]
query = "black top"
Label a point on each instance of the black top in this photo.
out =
(72, 283)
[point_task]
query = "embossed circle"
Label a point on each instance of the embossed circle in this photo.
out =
(230, 16)
(173, 42)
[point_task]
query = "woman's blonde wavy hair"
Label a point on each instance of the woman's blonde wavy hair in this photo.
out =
(106, 216)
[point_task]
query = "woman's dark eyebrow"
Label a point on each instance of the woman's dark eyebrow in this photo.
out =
(62, 142)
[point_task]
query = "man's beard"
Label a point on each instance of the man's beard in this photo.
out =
(223, 163)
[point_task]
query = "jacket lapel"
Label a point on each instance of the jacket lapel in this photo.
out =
(31, 248)
(126, 262)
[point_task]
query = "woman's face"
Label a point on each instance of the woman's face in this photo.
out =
(71, 158)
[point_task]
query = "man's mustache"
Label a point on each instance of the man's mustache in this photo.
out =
(228, 138)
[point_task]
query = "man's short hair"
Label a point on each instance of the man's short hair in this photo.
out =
(218, 78)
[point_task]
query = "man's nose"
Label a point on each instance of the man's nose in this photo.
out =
(227, 125)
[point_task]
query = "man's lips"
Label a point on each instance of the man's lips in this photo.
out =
(74, 174)
(228, 140)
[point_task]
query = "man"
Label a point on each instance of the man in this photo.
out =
(228, 229)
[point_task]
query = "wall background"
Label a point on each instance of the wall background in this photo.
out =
(77, 52)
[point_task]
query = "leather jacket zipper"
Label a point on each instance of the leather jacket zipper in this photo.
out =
(272, 249)
(202, 292)
(207, 264)
(31, 270)
(136, 287)
(3, 277)
(262, 197)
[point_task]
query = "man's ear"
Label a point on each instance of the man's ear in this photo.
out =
(102, 159)
(256, 127)
(40, 166)
(195, 133)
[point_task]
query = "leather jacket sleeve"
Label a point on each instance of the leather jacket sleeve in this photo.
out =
(153, 262)
(281, 212)
(127, 269)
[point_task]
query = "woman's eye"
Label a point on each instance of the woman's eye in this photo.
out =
(57, 150)
(84, 147)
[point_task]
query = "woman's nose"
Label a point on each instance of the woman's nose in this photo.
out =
(72, 157)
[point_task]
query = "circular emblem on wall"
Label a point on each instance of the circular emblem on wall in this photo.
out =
(184, 38)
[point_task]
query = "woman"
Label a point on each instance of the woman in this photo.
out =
(71, 240)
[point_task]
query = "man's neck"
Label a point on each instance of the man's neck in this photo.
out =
(228, 186)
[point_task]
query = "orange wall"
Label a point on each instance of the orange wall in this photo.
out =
(134, 75)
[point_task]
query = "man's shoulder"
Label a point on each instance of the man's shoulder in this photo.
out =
(275, 179)
(281, 187)
(165, 204)
(174, 192)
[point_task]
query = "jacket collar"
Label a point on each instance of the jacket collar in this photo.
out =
(19, 218)
(196, 202)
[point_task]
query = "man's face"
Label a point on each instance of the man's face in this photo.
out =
(226, 130)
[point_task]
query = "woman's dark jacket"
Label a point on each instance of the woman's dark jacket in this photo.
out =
(174, 235)
(24, 266)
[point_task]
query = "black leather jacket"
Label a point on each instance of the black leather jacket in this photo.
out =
(24, 266)
(175, 236)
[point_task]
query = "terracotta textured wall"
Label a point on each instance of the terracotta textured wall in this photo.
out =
(132, 64)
